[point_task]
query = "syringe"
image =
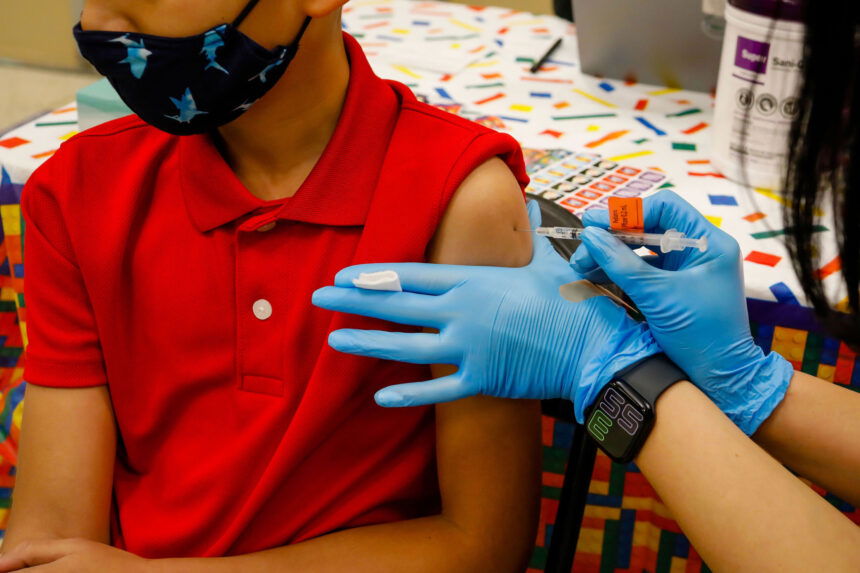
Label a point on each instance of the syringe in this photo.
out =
(671, 240)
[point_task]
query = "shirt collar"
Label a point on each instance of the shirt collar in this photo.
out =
(339, 189)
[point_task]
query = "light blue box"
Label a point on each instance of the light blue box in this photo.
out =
(98, 103)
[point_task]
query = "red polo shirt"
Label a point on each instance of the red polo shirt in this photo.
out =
(152, 269)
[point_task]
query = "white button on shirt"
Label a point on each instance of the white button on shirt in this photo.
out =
(262, 309)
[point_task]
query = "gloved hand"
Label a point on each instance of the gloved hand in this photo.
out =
(508, 330)
(695, 306)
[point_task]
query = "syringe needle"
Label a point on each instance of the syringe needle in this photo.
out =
(671, 240)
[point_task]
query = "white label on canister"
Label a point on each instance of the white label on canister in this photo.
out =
(757, 97)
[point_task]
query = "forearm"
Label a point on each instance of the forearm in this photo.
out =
(430, 544)
(38, 514)
(814, 432)
(65, 466)
(41, 524)
(740, 508)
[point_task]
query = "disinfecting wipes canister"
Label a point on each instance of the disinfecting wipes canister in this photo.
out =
(757, 92)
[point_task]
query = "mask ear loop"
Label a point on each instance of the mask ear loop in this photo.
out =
(301, 33)
(244, 14)
(252, 4)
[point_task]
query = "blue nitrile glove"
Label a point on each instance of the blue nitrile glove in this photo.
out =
(694, 304)
(507, 329)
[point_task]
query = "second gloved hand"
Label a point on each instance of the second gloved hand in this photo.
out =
(507, 329)
(695, 306)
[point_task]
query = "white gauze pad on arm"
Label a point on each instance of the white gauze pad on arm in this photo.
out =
(383, 280)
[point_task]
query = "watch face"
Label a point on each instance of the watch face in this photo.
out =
(619, 421)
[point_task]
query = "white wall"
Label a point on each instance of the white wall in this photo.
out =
(40, 32)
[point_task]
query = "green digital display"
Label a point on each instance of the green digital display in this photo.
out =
(617, 422)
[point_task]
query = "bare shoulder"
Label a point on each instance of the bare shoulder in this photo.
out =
(481, 224)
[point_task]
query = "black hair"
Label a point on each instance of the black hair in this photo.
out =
(824, 161)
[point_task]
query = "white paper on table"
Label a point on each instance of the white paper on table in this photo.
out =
(425, 58)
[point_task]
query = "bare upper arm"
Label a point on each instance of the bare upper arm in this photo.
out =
(65, 470)
(480, 225)
(489, 448)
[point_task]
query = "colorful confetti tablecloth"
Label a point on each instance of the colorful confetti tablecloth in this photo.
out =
(474, 62)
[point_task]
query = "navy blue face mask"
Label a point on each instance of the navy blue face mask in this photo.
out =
(190, 85)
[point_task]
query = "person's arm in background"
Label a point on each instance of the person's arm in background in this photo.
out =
(739, 507)
(65, 470)
(806, 423)
(814, 431)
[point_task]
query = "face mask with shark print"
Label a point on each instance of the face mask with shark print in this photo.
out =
(189, 85)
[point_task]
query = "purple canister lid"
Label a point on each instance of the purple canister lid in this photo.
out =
(791, 10)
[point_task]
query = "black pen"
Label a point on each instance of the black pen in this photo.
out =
(545, 57)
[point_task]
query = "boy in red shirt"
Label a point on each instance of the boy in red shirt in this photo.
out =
(184, 411)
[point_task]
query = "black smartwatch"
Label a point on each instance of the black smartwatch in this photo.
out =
(623, 414)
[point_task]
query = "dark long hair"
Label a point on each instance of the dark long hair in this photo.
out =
(824, 160)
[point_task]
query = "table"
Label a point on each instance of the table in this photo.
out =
(473, 61)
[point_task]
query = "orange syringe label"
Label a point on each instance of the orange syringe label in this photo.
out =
(625, 214)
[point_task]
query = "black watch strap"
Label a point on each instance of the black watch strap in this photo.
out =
(651, 376)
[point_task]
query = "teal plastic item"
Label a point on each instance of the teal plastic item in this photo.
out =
(98, 103)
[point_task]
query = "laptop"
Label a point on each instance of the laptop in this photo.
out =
(661, 42)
